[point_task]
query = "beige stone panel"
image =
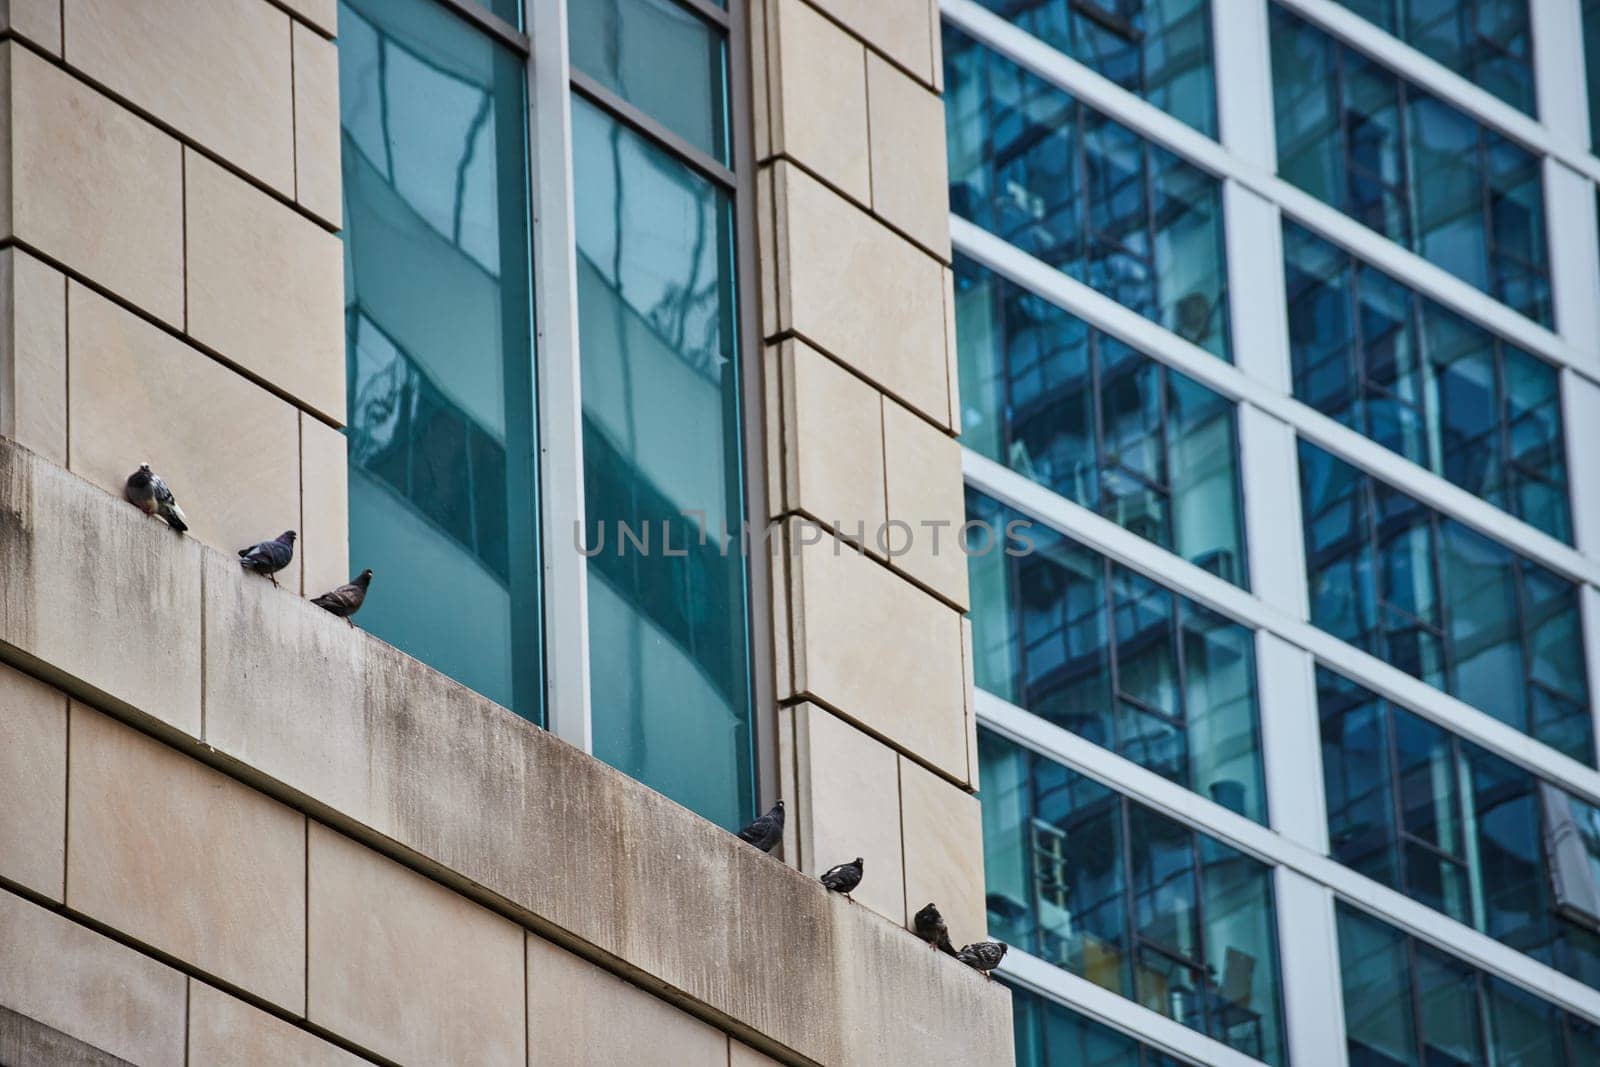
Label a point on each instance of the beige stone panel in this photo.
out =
(102, 599)
(33, 354)
(745, 1056)
(861, 292)
(33, 783)
(944, 851)
(37, 20)
(849, 806)
(579, 1013)
(832, 443)
(819, 97)
(324, 506)
(86, 985)
(7, 185)
(909, 184)
(901, 29)
(952, 351)
(186, 859)
(216, 71)
(96, 187)
(922, 468)
(227, 447)
(908, 688)
(266, 287)
(323, 14)
(316, 124)
(402, 966)
(226, 1032)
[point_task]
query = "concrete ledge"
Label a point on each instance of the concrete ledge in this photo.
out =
(99, 600)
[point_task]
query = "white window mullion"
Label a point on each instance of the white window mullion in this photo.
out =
(1569, 207)
(1308, 952)
(1558, 72)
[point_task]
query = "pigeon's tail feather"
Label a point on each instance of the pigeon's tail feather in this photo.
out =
(175, 517)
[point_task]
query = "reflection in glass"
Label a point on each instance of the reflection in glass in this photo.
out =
(1159, 49)
(668, 626)
(1100, 886)
(1591, 62)
(662, 58)
(1102, 651)
(1444, 603)
(1049, 1034)
(439, 344)
(1414, 169)
(1488, 42)
(1089, 197)
(1426, 383)
(1104, 426)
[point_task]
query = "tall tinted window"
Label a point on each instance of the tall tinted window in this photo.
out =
(1444, 603)
(1102, 651)
(1409, 166)
(439, 341)
(1053, 1035)
(1406, 1004)
(1488, 42)
(1453, 826)
(1160, 49)
(1591, 60)
(1064, 183)
(669, 641)
(1083, 414)
(1130, 900)
(1426, 383)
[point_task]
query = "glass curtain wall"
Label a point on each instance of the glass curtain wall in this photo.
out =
(1445, 604)
(1049, 1034)
(1134, 902)
(1084, 194)
(1159, 49)
(1409, 166)
(1488, 42)
(669, 632)
(439, 343)
(1424, 382)
(1104, 652)
(1086, 416)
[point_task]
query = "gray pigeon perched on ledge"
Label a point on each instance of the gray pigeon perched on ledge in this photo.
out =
(983, 956)
(767, 831)
(843, 878)
(146, 491)
(929, 925)
(269, 557)
(346, 600)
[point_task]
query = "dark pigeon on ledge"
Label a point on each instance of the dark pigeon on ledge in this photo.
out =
(269, 557)
(146, 491)
(844, 878)
(346, 600)
(767, 831)
(929, 925)
(983, 956)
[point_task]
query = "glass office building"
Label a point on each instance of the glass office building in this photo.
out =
(1277, 320)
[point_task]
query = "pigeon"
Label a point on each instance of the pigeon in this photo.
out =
(146, 491)
(982, 956)
(929, 925)
(843, 878)
(269, 557)
(767, 831)
(346, 600)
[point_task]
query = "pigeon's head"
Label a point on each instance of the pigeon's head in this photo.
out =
(144, 468)
(287, 537)
(364, 579)
(858, 861)
(779, 805)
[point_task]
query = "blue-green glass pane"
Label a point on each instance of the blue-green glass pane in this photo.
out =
(1591, 62)
(1159, 49)
(1488, 42)
(1084, 194)
(1380, 1026)
(510, 10)
(1049, 1034)
(1241, 951)
(662, 58)
(439, 343)
(1097, 422)
(668, 617)
(1358, 778)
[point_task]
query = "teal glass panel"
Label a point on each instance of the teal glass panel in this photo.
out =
(509, 10)
(1409, 166)
(439, 344)
(1488, 42)
(669, 644)
(1089, 197)
(1444, 603)
(661, 57)
(1097, 422)
(1049, 1034)
(1425, 382)
(1449, 824)
(1591, 62)
(1100, 650)
(1159, 49)
(1129, 900)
